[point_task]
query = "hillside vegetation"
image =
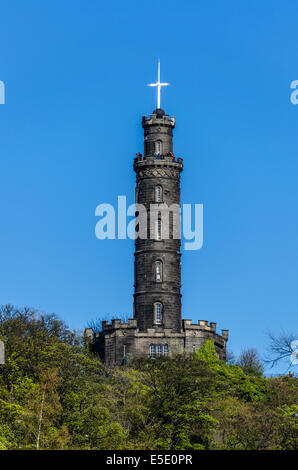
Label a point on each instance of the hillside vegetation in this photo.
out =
(54, 394)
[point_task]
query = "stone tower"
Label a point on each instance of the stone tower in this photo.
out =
(157, 298)
(156, 327)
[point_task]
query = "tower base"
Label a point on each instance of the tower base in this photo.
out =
(118, 342)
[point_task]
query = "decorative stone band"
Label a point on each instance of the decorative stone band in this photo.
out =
(158, 292)
(155, 172)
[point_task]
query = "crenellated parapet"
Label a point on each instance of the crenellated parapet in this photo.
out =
(205, 326)
(158, 118)
(117, 323)
(118, 339)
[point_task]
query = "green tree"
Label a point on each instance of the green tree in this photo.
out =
(55, 394)
(251, 363)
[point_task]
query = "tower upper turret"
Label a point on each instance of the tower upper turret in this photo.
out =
(158, 133)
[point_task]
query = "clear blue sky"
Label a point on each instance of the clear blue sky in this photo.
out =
(76, 75)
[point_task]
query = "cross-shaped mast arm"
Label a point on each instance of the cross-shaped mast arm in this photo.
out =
(158, 84)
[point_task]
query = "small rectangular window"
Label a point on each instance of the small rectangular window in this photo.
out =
(158, 147)
(152, 350)
(166, 349)
(158, 271)
(158, 229)
(158, 314)
(159, 349)
(158, 193)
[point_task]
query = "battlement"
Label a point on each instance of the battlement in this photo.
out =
(118, 340)
(187, 327)
(117, 324)
(158, 160)
(160, 119)
(203, 325)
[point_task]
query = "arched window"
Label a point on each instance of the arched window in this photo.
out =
(158, 234)
(158, 193)
(166, 349)
(152, 350)
(158, 271)
(158, 147)
(158, 313)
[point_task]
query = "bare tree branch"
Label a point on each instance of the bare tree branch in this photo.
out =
(279, 347)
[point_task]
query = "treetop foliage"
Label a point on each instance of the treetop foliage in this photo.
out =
(55, 394)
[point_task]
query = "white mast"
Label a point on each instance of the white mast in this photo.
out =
(158, 84)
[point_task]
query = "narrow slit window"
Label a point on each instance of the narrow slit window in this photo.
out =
(158, 313)
(158, 147)
(158, 230)
(152, 350)
(158, 271)
(158, 193)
